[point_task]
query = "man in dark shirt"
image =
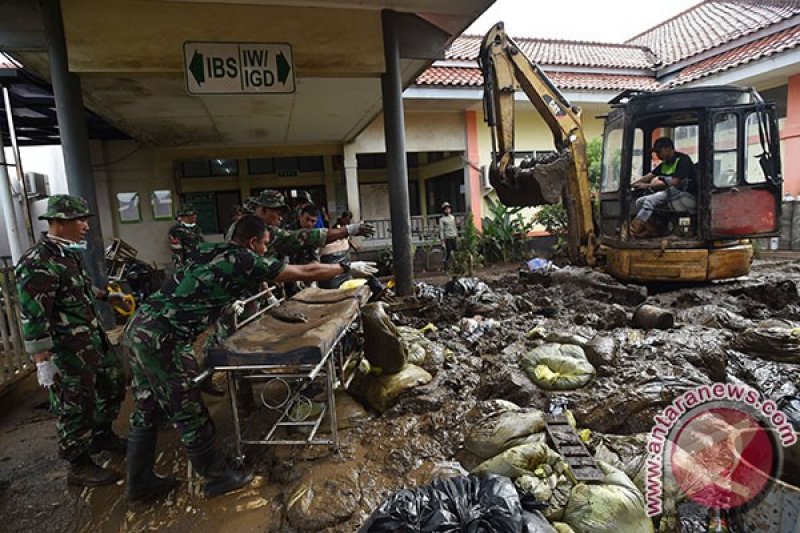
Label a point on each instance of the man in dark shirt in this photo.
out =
(676, 178)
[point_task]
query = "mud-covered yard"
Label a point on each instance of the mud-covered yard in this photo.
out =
(422, 435)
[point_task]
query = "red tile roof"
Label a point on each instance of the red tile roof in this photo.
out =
(471, 77)
(775, 43)
(558, 52)
(710, 24)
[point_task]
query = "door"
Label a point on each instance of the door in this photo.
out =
(745, 174)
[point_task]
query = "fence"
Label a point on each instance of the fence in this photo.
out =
(423, 228)
(14, 364)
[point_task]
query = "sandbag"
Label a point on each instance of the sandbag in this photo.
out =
(382, 345)
(625, 452)
(521, 460)
(615, 506)
(383, 391)
(470, 504)
(421, 350)
(773, 343)
(501, 431)
(555, 366)
(549, 487)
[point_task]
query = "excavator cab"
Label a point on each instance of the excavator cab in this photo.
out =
(730, 135)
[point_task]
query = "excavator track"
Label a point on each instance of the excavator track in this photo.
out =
(567, 443)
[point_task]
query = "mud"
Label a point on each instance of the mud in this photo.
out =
(420, 437)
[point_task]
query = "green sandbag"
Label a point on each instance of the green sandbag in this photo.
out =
(615, 506)
(555, 366)
(521, 460)
(382, 345)
(382, 391)
(421, 350)
(548, 487)
(496, 433)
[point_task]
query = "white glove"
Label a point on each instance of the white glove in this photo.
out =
(238, 307)
(363, 269)
(360, 229)
(46, 371)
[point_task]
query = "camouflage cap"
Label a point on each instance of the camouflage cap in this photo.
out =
(66, 207)
(271, 199)
(186, 210)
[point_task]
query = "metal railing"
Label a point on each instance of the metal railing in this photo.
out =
(14, 363)
(423, 228)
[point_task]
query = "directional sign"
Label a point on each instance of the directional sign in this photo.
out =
(238, 68)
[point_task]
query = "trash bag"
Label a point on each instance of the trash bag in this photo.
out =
(615, 506)
(501, 431)
(773, 343)
(470, 504)
(549, 487)
(466, 287)
(383, 391)
(557, 366)
(521, 460)
(428, 291)
(382, 345)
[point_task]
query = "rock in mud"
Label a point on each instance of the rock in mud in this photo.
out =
(508, 383)
(601, 352)
(323, 499)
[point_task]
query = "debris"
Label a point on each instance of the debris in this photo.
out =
(509, 383)
(427, 291)
(537, 264)
(382, 346)
(555, 366)
(651, 317)
(774, 343)
(316, 502)
(501, 431)
(384, 390)
(601, 352)
(713, 316)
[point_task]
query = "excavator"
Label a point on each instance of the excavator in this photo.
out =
(729, 132)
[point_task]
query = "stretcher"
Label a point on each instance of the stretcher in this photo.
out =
(289, 358)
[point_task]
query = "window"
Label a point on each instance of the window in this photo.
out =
(612, 157)
(162, 204)
(687, 140)
(204, 168)
(214, 209)
(726, 134)
(310, 164)
(753, 149)
(262, 165)
(128, 207)
(637, 153)
(286, 166)
(224, 167)
(371, 161)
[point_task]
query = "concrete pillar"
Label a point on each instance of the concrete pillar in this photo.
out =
(790, 135)
(74, 133)
(9, 211)
(394, 132)
(329, 178)
(351, 181)
(473, 176)
(422, 160)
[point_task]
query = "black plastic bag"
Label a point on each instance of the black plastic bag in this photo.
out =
(474, 504)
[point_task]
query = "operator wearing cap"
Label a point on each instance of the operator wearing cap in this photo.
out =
(64, 336)
(185, 235)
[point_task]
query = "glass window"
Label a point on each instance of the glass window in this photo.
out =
(637, 153)
(128, 207)
(310, 164)
(687, 140)
(612, 156)
(753, 149)
(262, 165)
(286, 166)
(162, 204)
(726, 130)
(224, 167)
(195, 168)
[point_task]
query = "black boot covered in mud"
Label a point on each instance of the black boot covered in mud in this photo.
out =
(105, 439)
(219, 478)
(84, 472)
(143, 484)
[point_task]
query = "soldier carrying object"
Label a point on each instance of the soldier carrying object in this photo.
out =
(64, 336)
(158, 342)
(185, 235)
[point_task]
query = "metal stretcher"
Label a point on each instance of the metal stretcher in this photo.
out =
(297, 347)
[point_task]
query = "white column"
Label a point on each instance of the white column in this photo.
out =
(9, 211)
(351, 180)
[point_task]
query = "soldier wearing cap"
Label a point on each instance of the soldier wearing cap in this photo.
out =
(64, 336)
(185, 235)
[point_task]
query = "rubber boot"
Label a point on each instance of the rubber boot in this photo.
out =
(84, 472)
(638, 228)
(104, 439)
(143, 483)
(219, 478)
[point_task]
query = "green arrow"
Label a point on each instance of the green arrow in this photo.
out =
(196, 68)
(283, 68)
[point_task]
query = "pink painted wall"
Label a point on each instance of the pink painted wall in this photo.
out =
(475, 198)
(790, 135)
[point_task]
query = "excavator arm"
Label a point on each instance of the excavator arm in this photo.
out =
(505, 69)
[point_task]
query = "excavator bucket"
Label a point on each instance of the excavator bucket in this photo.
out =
(534, 182)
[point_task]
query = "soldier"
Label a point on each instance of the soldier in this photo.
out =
(63, 335)
(185, 235)
(158, 342)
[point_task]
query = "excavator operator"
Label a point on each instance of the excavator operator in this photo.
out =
(675, 180)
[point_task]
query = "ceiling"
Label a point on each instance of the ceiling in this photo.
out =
(129, 56)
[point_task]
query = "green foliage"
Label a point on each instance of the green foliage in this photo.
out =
(467, 256)
(594, 156)
(504, 234)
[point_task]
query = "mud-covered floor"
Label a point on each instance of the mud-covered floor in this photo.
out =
(638, 373)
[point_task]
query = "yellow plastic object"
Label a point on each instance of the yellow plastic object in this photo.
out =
(428, 328)
(585, 434)
(352, 284)
(131, 306)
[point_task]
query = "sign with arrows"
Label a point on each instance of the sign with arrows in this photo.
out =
(238, 68)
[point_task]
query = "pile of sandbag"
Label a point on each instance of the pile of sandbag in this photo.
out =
(554, 366)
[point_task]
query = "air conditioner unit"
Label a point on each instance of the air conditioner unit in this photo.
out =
(37, 184)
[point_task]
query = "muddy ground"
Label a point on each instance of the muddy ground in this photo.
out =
(311, 489)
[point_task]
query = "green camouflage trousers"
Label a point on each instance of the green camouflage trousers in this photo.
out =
(86, 394)
(163, 368)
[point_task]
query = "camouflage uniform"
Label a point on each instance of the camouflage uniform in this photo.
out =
(183, 239)
(59, 316)
(159, 338)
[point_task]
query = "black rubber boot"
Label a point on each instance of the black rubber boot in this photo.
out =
(104, 439)
(143, 484)
(84, 472)
(219, 478)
